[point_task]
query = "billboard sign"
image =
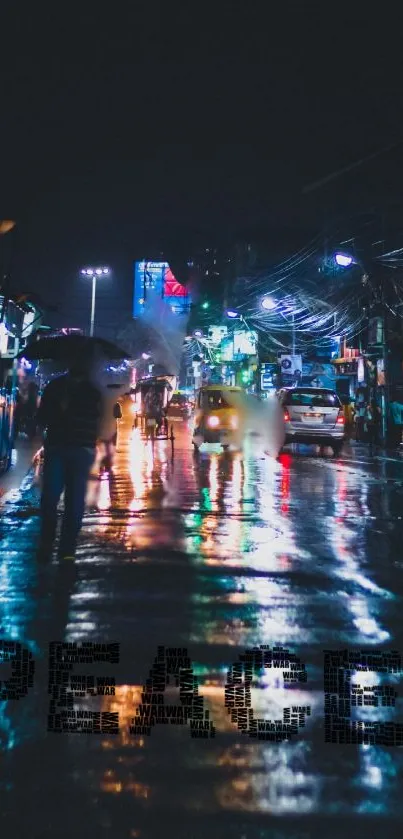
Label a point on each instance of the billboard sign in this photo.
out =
(238, 345)
(268, 376)
(245, 343)
(217, 334)
(158, 278)
(3, 339)
(315, 374)
(227, 350)
(290, 369)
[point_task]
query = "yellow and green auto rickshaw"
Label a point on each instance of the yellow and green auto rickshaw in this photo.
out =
(219, 417)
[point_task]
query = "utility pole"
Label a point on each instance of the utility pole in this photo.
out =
(385, 388)
(293, 333)
(378, 294)
(385, 395)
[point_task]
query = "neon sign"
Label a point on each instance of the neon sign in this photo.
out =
(157, 277)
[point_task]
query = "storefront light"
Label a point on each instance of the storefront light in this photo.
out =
(3, 338)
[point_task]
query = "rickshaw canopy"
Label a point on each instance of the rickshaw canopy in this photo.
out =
(154, 382)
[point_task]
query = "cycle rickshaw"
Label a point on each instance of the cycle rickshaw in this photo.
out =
(150, 404)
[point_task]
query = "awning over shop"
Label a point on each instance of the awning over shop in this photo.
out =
(346, 366)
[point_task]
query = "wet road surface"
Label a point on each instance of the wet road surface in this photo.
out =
(216, 555)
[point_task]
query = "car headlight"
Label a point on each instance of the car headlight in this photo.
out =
(213, 422)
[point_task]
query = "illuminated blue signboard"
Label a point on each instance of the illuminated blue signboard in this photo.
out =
(158, 278)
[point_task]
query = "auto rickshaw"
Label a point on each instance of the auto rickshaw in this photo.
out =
(151, 399)
(219, 417)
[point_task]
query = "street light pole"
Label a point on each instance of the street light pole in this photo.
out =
(94, 273)
(378, 293)
(94, 290)
(293, 333)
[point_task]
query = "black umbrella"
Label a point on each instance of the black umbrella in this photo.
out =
(66, 348)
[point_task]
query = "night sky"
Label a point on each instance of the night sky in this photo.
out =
(180, 124)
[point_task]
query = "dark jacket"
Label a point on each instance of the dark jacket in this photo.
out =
(70, 412)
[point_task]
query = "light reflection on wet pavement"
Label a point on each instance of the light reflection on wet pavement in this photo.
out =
(215, 554)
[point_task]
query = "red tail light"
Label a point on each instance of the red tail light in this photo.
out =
(286, 415)
(340, 418)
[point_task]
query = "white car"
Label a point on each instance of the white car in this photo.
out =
(313, 415)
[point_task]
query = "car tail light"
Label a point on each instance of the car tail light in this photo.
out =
(286, 415)
(340, 418)
(213, 422)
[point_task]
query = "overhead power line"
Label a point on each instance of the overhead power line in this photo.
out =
(317, 184)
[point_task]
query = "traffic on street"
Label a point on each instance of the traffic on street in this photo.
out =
(201, 422)
(208, 555)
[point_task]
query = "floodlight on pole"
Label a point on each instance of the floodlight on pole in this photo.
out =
(268, 303)
(344, 260)
(94, 273)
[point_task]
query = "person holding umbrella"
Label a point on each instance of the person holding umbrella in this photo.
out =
(70, 414)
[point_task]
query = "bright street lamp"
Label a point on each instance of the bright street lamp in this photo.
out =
(94, 273)
(268, 303)
(344, 260)
(231, 313)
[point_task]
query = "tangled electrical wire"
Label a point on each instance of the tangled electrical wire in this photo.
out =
(306, 304)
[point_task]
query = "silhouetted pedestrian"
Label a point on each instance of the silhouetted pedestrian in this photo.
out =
(396, 416)
(372, 425)
(70, 413)
(109, 434)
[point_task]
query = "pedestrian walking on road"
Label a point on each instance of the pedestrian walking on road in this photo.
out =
(109, 434)
(372, 423)
(70, 413)
(396, 416)
(360, 409)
